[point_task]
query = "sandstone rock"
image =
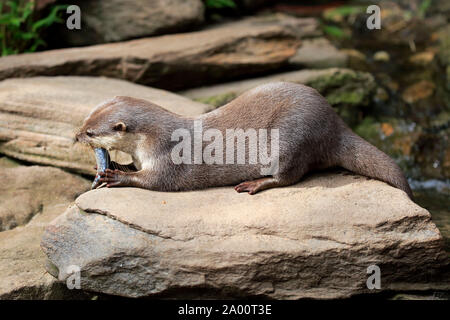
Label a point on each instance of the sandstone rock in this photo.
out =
(115, 20)
(312, 240)
(39, 116)
(318, 53)
(247, 47)
(39, 194)
(344, 89)
(26, 190)
(6, 162)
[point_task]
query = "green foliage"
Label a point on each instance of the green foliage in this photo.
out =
(334, 31)
(219, 4)
(340, 13)
(20, 30)
(423, 8)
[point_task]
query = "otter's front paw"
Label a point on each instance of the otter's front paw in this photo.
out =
(113, 178)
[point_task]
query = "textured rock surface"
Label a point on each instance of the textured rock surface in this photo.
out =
(117, 20)
(39, 194)
(39, 116)
(312, 240)
(25, 191)
(318, 53)
(247, 47)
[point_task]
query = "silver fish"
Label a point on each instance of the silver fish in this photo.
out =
(102, 159)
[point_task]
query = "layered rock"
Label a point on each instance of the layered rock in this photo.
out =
(283, 243)
(319, 53)
(25, 191)
(39, 116)
(31, 197)
(116, 20)
(246, 47)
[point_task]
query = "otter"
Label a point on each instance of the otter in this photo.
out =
(311, 136)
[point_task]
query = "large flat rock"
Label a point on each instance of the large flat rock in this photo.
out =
(39, 116)
(25, 191)
(315, 239)
(246, 47)
(31, 197)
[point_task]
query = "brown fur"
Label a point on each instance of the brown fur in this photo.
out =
(312, 136)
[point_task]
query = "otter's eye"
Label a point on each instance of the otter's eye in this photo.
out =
(89, 133)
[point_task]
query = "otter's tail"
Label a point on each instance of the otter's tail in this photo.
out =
(358, 155)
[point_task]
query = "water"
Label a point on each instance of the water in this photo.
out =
(438, 204)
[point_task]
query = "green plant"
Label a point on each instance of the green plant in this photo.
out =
(20, 30)
(219, 4)
(423, 8)
(334, 31)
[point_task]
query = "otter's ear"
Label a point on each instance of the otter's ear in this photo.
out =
(120, 126)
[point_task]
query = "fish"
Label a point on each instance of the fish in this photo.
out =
(102, 158)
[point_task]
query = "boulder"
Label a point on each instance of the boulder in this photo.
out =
(318, 53)
(315, 239)
(116, 20)
(39, 116)
(25, 191)
(39, 194)
(345, 89)
(250, 46)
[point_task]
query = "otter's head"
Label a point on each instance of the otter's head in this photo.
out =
(108, 126)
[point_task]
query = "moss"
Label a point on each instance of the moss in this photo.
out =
(367, 129)
(345, 96)
(349, 92)
(218, 100)
(346, 82)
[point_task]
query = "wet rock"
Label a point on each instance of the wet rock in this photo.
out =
(318, 53)
(418, 91)
(345, 89)
(283, 243)
(115, 20)
(39, 116)
(33, 196)
(247, 47)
